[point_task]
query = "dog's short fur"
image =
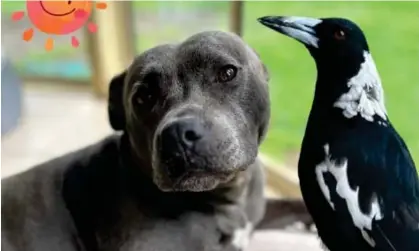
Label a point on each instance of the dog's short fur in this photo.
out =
(156, 187)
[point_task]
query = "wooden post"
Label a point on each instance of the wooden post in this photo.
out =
(236, 17)
(111, 48)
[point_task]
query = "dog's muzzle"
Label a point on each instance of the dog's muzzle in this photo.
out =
(178, 142)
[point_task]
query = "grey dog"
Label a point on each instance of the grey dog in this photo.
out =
(182, 175)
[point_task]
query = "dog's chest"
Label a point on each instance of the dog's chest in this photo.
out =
(189, 232)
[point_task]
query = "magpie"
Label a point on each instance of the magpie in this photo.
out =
(357, 177)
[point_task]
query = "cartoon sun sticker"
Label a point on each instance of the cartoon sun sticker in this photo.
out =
(58, 18)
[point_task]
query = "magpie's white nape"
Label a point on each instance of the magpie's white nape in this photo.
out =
(365, 96)
(357, 177)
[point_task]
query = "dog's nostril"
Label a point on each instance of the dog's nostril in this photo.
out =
(184, 133)
(191, 136)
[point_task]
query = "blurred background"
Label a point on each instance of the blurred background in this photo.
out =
(54, 102)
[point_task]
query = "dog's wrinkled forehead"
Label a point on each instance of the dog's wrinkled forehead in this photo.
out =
(199, 50)
(212, 46)
(220, 48)
(155, 59)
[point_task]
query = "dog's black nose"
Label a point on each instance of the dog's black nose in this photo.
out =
(177, 143)
(185, 132)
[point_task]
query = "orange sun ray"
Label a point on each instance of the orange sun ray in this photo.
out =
(17, 15)
(27, 35)
(92, 27)
(75, 42)
(101, 5)
(49, 44)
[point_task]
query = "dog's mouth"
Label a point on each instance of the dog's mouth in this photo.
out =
(199, 181)
(185, 173)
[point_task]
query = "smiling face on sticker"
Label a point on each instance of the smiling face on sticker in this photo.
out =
(58, 17)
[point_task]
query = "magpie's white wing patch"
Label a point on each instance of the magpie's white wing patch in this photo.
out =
(320, 169)
(351, 196)
(365, 96)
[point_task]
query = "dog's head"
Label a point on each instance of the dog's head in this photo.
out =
(195, 111)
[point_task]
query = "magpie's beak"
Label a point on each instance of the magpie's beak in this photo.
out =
(300, 28)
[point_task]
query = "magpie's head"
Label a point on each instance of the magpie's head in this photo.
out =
(334, 41)
(347, 75)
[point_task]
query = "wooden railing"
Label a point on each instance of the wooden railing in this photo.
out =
(236, 17)
(282, 181)
(112, 49)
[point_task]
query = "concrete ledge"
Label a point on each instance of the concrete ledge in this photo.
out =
(284, 241)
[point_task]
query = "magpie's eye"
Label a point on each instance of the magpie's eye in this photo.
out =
(148, 88)
(339, 35)
(227, 73)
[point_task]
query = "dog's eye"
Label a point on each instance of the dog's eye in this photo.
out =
(151, 78)
(227, 73)
(148, 88)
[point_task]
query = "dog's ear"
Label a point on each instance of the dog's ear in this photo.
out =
(116, 110)
(261, 66)
(265, 72)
